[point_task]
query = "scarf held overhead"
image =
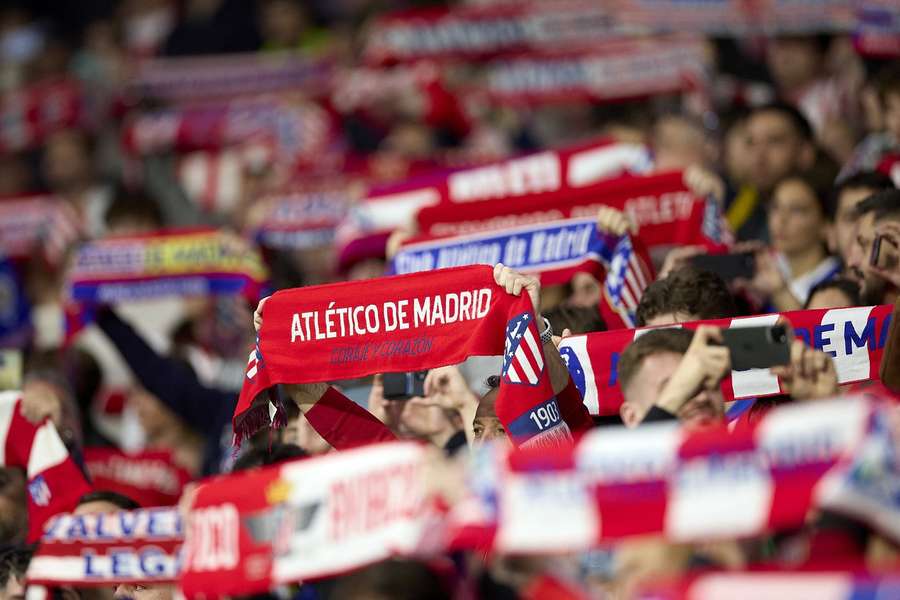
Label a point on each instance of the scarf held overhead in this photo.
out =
(53, 480)
(853, 337)
(404, 323)
(388, 207)
(555, 251)
(137, 547)
(181, 263)
(662, 207)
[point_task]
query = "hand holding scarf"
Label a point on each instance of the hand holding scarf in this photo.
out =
(404, 323)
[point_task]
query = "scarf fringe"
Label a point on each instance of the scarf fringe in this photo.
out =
(258, 418)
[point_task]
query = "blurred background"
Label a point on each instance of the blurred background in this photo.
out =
(275, 120)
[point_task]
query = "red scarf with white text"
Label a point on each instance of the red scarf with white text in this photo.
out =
(405, 323)
(662, 207)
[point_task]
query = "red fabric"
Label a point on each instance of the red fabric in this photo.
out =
(345, 424)
(55, 483)
(854, 337)
(150, 478)
(404, 323)
(666, 212)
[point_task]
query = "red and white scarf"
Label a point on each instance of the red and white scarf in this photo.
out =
(38, 224)
(405, 323)
(29, 114)
(54, 481)
(608, 71)
(102, 550)
(854, 337)
(663, 480)
(306, 519)
(224, 77)
(555, 251)
(475, 32)
(323, 516)
(666, 212)
(301, 219)
(150, 478)
(386, 208)
(299, 132)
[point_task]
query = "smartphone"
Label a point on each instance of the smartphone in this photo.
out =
(727, 266)
(757, 347)
(403, 386)
(879, 257)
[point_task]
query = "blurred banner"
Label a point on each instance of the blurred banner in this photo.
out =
(662, 480)
(777, 585)
(664, 210)
(306, 519)
(150, 477)
(109, 549)
(612, 71)
(179, 263)
(37, 226)
(854, 337)
(224, 77)
(28, 115)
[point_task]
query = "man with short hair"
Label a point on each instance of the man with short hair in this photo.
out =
(686, 294)
(779, 141)
(668, 374)
(847, 195)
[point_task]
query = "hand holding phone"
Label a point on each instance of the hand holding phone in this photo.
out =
(403, 386)
(757, 347)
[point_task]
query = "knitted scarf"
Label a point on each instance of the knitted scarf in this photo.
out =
(404, 323)
(854, 337)
(54, 481)
(139, 546)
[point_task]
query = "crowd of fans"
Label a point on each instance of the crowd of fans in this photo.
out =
(793, 136)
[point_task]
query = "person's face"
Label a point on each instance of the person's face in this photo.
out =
(678, 144)
(705, 408)
(793, 61)
(892, 114)
(671, 319)
(67, 161)
(486, 426)
(773, 148)
(586, 290)
(13, 515)
(796, 222)
(845, 219)
(736, 153)
(282, 22)
(146, 592)
(829, 298)
(871, 286)
(96, 507)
